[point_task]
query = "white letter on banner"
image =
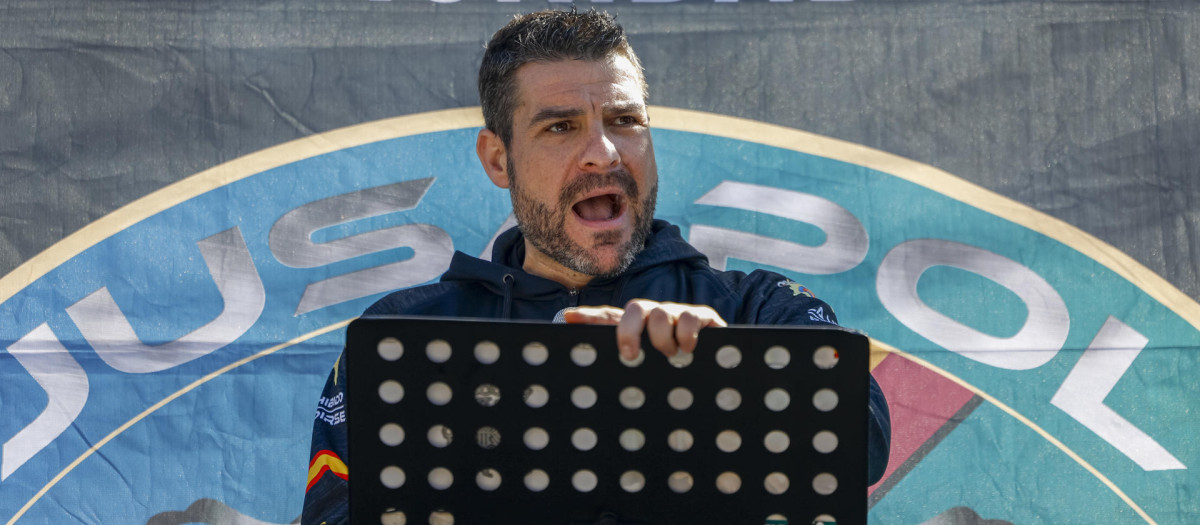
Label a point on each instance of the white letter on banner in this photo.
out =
(1040, 338)
(107, 329)
(508, 223)
(66, 386)
(1082, 395)
(845, 238)
(291, 242)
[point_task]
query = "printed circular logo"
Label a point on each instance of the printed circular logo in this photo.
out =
(173, 352)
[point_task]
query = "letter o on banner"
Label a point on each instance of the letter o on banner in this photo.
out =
(1041, 336)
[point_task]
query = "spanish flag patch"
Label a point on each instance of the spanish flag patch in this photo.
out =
(325, 461)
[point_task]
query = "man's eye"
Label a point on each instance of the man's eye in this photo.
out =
(627, 120)
(558, 127)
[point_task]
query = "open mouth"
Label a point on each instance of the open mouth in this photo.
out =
(600, 208)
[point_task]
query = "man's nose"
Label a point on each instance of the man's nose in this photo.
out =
(600, 151)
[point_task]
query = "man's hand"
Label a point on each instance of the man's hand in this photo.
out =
(672, 327)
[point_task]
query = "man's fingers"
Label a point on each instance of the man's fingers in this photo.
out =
(593, 315)
(660, 326)
(687, 330)
(691, 320)
(629, 329)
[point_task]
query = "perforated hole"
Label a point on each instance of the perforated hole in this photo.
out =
(391, 392)
(729, 357)
(729, 399)
(537, 480)
(776, 483)
(390, 349)
(487, 352)
(440, 478)
(729, 441)
(681, 359)
(632, 397)
(777, 399)
(392, 477)
(488, 479)
(584, 480)
(825, 400)
(584, 439)
(487, 395)
(825, 442)
(583, 397)
(632, 439)
(680, 398)
(777, 357)
(680, 482)
(729, 483)
(680, 440)
(826, 357)
(440, 436)
(633, 481)
(825, 484)
(636, 361)
(824, 519)
(778, 519)
(536, 396)
(583, 354)
(391, 434)
(441, 517)
(536, 438)
(393, 517)
(439, 393)
(535, 353)
(777, 441)
(487, 438)
(438, 351)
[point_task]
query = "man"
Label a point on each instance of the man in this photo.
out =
(564, 102)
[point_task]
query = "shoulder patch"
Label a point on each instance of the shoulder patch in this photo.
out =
(818, 314)
(796, 288)
(324, 462)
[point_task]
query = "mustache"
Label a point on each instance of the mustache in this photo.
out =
(620, 178)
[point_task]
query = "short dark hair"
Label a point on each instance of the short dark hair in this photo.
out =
(544, 36)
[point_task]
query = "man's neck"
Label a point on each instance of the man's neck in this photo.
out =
(541, 265)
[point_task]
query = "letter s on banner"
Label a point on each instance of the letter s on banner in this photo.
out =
(291, 242)
(1041, 336)
(845, 238)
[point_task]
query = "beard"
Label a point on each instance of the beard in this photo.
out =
(545, 228)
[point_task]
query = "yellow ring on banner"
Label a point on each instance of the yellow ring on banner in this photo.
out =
(663, 117)
(747, 130)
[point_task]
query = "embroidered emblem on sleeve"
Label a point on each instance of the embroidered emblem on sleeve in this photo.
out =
(818, 314)
(796, 288)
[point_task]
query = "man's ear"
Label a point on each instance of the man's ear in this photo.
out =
(493, 156)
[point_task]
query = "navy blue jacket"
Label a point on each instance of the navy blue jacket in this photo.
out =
(668, 269)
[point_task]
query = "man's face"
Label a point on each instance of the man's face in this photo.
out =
(581, 163)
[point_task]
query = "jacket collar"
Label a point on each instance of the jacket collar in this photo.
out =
(664, 245)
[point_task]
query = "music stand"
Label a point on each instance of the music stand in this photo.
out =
(484, 421)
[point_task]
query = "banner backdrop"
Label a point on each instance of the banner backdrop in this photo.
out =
(197, 197)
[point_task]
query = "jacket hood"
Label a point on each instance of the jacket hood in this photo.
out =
(504, 274)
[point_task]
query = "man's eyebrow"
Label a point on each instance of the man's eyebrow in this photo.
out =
(625, 107)
(554, 114)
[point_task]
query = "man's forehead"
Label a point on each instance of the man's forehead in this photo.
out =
(537, 82)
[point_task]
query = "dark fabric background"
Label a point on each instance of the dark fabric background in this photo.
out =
(1088, 111)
